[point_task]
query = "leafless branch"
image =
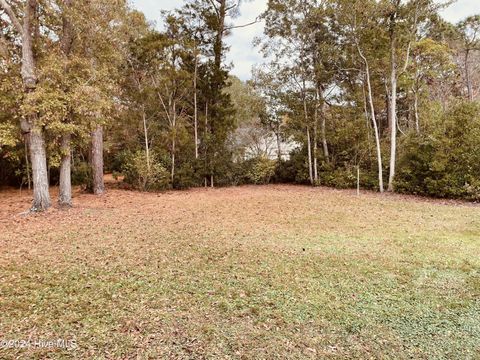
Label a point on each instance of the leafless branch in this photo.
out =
(257, 20)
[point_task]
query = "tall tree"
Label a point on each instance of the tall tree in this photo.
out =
(65, 188)
(469, 30)
(31, 127)
(366, 19)
(402, 21)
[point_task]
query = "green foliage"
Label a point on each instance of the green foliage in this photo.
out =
(143, 176)
(341, 177)
(188, 175)
(446, 163)
(12, 166)
(293, 170)
(81, 173)
(285, 172)
(261, 170)
(8, 135)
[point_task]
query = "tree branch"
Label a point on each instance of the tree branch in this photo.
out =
(257, 20)
(232, 7)
(13, 18)
(3, 47)
(213, 5)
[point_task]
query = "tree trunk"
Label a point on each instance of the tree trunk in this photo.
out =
(172, 174)
(393, 112)
(468, 77)
(365, 108)
(205, 145)
(65, 191)
(65, 187)
(96, 160)
(315, 155)
(309, 141)
(174, 138)
(65, 194)
(315, 144)
(415, 111)
(374, 120)
(358, 180)
(279, 144)
(145, 132)
(217, 78)
(309, 144)
(324, 133)
(218, 45)
(27, 163)
(38, 156)
(195, 104)
(41, 196)
(323, 114)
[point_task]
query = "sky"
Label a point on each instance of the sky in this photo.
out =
(242, 53)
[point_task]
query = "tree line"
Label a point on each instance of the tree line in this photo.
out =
(397, 66)
(384, 93)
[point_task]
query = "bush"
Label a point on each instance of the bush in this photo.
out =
(341, 177)
(284, 172)
(81, 173)
(261, 170)
(445, 163)
(188, 175)
(293, 170)
(139, 175)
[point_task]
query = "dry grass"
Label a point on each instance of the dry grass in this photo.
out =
(250, 272)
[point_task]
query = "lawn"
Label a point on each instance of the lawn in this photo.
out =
(242, 273)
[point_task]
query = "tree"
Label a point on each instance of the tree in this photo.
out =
(369, 27)
(31, 127)
(101, 49)
(252, 137)
(469, 31)
(286, 26)
(214, 15)
(65, 188)
(170, 80)
(431, 62)
(271, 88)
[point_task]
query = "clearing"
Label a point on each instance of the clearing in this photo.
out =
(249, 272)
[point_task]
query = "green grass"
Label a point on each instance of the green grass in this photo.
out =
(254, 273)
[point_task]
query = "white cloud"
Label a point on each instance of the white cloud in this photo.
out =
(242, 53)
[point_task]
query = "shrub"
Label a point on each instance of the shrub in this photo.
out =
(445, 163)
(188, 175)
(341, 178)
(261, 170)
(80, 173)
(144, 178)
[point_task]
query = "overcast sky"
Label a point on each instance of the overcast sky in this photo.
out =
(242, 54)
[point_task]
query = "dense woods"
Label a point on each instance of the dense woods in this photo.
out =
(381, 92)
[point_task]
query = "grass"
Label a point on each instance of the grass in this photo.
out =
(243, 273)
